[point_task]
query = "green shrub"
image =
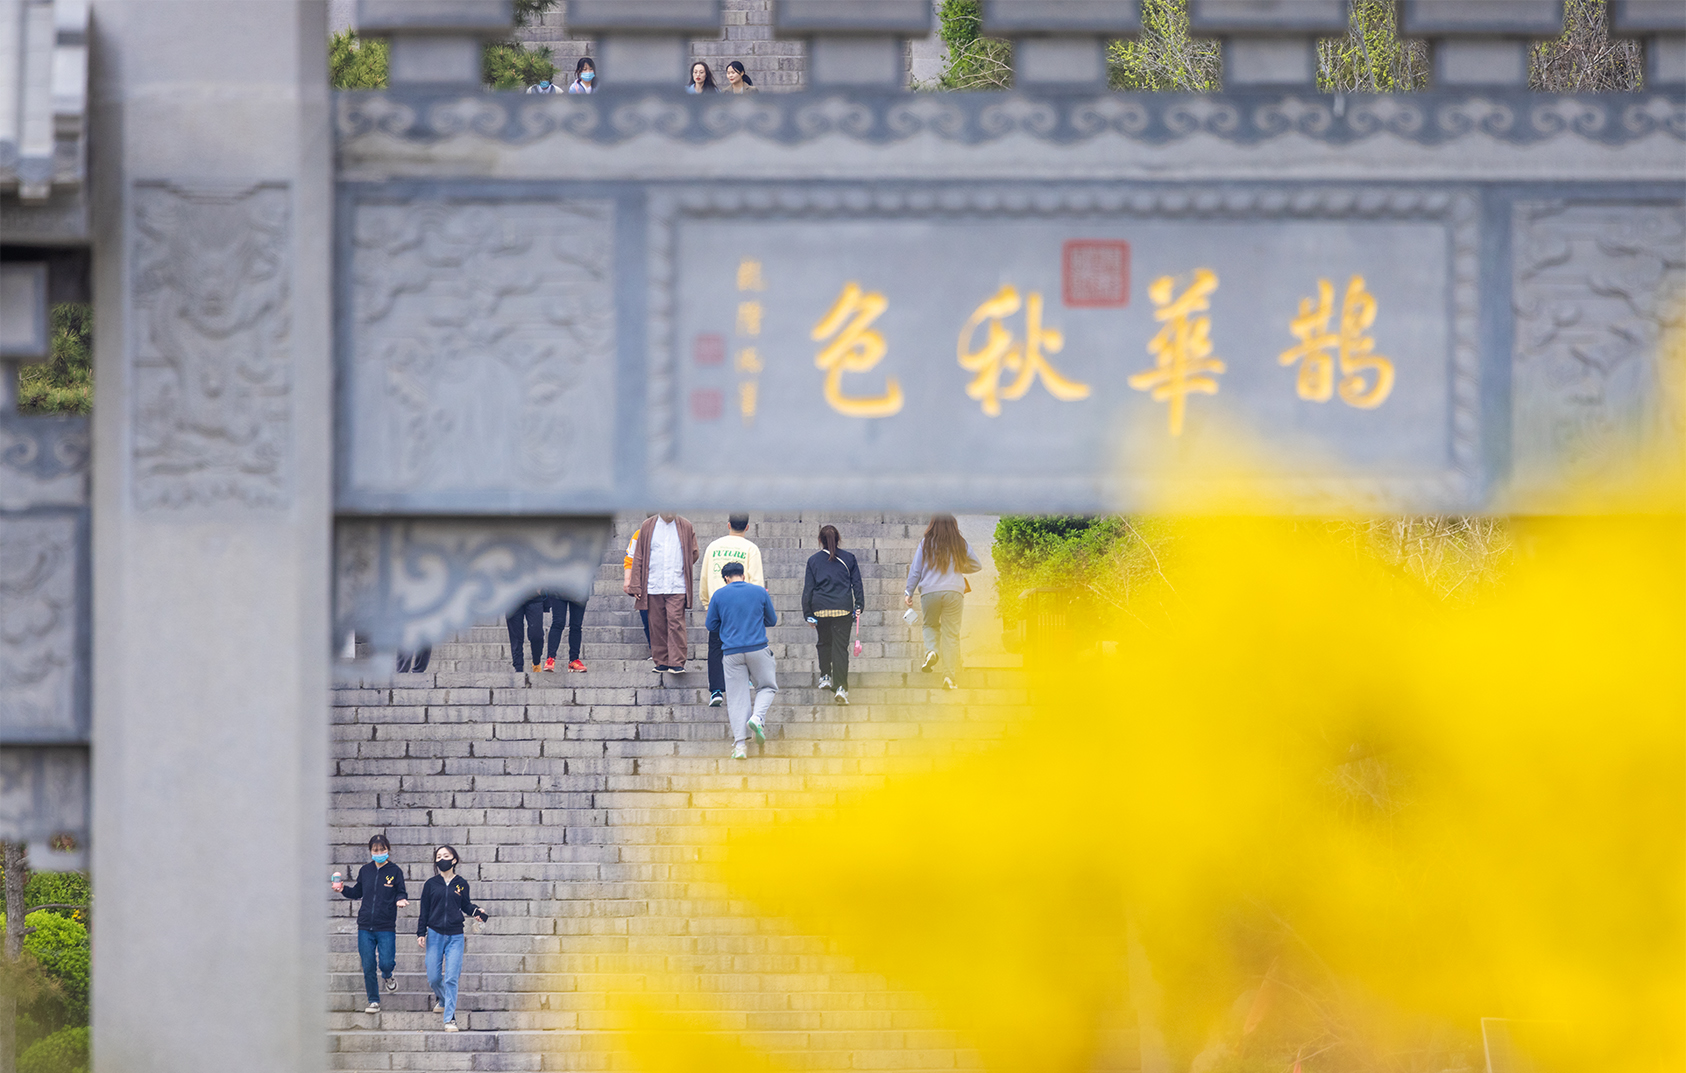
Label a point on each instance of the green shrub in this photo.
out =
(59, 888)
(974, 61)
(65, 1051)
(60, 947)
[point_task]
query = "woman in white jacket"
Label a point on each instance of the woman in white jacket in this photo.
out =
(936, 573)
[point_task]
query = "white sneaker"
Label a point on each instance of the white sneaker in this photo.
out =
(825, 681)
(842, 696)
(739, 752)
(930, 661)
(948, 683)
(451, 1026)
(438, 1007)
(373, 1007)
(391, 983)
(758, 728)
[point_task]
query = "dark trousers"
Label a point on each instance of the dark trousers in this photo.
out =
(414, 662)
(532, 612)
(716, 664)
(667, 629)
(573, 614)
(834, 648)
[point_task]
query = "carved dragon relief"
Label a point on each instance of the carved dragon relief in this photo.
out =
(39, 559)
(212, 391)
(1598, 290)
(483, 346)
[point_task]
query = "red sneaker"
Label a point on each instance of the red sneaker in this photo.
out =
(550, 664)
(576, 665)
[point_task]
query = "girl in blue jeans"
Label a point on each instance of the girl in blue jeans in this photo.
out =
(444, 906)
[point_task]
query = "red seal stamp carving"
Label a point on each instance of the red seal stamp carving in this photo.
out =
(1097, 273)
(709, 350)
(707, 405)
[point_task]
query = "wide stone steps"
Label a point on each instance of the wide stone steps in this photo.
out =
(582, 803)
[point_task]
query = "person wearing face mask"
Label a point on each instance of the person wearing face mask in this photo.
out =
(380, 885)
(444, 906)
(585, 77)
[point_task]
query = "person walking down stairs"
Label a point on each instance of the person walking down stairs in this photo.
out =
(444, 906)
(741, 613)
(380, 886)
(734, 547)
(564, 613)
(530, 613)
(833, 598)
(660, 581)
(941, 559)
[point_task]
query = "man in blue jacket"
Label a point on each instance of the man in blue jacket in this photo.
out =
(740, 613)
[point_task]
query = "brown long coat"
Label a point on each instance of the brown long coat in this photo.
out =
(641, 559)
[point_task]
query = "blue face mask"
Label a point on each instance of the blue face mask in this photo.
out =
(587, 76)
(378, 858)
(544, 84)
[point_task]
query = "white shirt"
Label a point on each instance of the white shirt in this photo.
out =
(667, 560)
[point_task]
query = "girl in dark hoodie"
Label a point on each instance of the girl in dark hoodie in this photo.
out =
(832, 599)
(444, 906)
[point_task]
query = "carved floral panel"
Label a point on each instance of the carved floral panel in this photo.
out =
(482, 352)
(1597, 290)
(212, 363)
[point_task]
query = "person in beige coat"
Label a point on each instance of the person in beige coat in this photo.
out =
(664, 560)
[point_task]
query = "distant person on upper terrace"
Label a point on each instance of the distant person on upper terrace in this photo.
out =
(585, 77)
(942, 557)
(544, 85)
(737, 79)
(664, 561)
(734, 547)
(741, 613)
(833, 598)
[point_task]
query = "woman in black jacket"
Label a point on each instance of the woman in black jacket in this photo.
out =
(832, 598)
(444, 906)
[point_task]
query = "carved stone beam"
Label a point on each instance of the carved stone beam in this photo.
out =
(1268, 42)
(1061, 42)
(853, 42)
(1662, 23)
(643, 42)
(1481, 42)
(436, 42)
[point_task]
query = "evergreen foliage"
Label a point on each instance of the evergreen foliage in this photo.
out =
(357, 64)
(64, 383)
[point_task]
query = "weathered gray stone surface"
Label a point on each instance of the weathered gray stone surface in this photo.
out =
(212, 431)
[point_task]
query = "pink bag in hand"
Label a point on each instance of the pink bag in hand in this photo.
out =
(857, 633)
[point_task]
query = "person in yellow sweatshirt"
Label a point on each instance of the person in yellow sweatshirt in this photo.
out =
(734, 547)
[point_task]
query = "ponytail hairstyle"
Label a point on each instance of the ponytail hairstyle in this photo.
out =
(944, 548)
(830, 539)
(737, 65)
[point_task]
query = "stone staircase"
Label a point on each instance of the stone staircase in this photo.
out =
(576, 802)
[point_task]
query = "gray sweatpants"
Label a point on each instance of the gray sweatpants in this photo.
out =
(742, 670)
(942, 628)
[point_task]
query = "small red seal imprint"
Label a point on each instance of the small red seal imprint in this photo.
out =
(707, 405)
(1097, 273)
(709, 350)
